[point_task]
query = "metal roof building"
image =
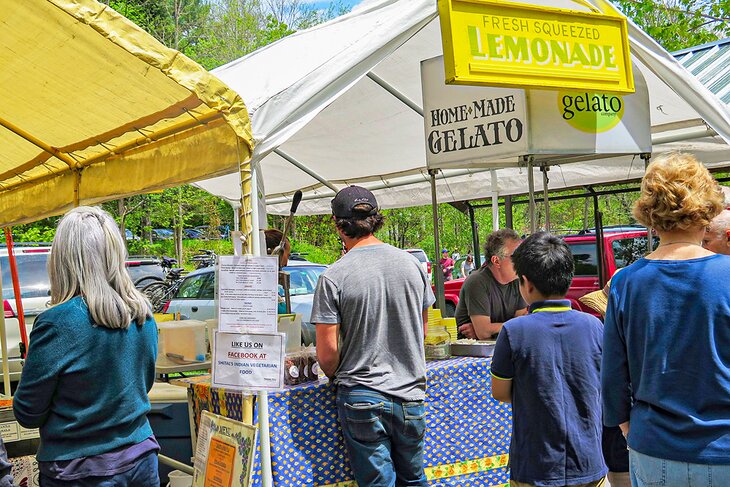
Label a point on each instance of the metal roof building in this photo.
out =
(710, 63)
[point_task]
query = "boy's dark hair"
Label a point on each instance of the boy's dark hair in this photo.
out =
(547, 262)
(496, 242)
(362, 224)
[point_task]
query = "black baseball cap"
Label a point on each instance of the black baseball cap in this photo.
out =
(344, 203)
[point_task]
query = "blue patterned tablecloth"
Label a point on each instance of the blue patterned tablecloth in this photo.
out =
(467, 436)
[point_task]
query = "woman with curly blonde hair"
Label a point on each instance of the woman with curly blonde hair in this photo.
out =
(666, 351)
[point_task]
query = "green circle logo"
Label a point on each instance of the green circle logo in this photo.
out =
(591, 112)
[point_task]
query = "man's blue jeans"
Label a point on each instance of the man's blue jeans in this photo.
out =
(384, 437)
(649, 471)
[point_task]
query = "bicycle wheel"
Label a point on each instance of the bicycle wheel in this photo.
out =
(157, 293)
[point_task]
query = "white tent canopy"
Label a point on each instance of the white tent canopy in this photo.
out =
(339, 104)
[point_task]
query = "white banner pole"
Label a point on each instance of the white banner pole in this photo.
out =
(262, 401)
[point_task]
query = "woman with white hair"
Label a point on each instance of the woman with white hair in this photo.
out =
(91, 363)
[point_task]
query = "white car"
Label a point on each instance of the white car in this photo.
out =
(195, 299)
(35, 293)
(422, 257)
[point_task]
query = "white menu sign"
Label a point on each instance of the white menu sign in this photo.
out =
(248, 361)
(247, 294)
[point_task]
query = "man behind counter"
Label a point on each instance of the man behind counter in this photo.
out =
(491, 295)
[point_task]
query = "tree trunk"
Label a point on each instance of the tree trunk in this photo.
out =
(148, 224)
(179, 229)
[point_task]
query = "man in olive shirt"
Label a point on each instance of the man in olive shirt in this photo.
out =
(491, 295)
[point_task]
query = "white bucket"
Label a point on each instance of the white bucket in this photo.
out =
(180, 479)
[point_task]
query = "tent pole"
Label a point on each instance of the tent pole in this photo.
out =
(16, 292)
(255, 245)
(391, 89)
(474, 237)
(244, 213)
(531, 191)
(508, 212)
(4, 347)
(598, 218)
(38, 143)
(438, 275)
(251, 245)
(304, 168)
(77, 184)
(649, 236)
(546, 201)
(262, 400)
(236, 216)
(495, 200)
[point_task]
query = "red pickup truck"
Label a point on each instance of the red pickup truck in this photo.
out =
(621, 246)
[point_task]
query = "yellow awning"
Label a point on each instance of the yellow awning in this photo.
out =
(93, 108)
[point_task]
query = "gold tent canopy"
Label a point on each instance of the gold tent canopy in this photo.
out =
(93, 108)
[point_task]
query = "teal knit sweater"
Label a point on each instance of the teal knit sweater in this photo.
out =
(85, 386)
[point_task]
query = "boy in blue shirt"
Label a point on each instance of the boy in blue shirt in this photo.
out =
(547, 364)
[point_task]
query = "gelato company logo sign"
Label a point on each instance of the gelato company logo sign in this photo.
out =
(591, 112)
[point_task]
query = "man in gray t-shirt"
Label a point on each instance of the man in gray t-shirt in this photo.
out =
(491, 295)
(370, 314)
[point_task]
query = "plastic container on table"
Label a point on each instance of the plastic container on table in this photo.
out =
(450, 324)
(180, 479)
(473, 348)
(291, 325)
(181, 342)
(437, 343)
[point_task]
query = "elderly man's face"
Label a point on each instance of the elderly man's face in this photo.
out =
(716, 240)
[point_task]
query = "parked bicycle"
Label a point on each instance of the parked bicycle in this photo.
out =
(204, 258)
(159, 293)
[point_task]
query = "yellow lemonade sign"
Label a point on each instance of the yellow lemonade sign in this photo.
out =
(510, 44)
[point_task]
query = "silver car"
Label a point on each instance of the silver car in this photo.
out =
(35, 290)
(196, 297)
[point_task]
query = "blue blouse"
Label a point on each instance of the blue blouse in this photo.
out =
(666, 358)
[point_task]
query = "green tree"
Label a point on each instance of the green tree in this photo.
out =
(678, 24)
(179, 24)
